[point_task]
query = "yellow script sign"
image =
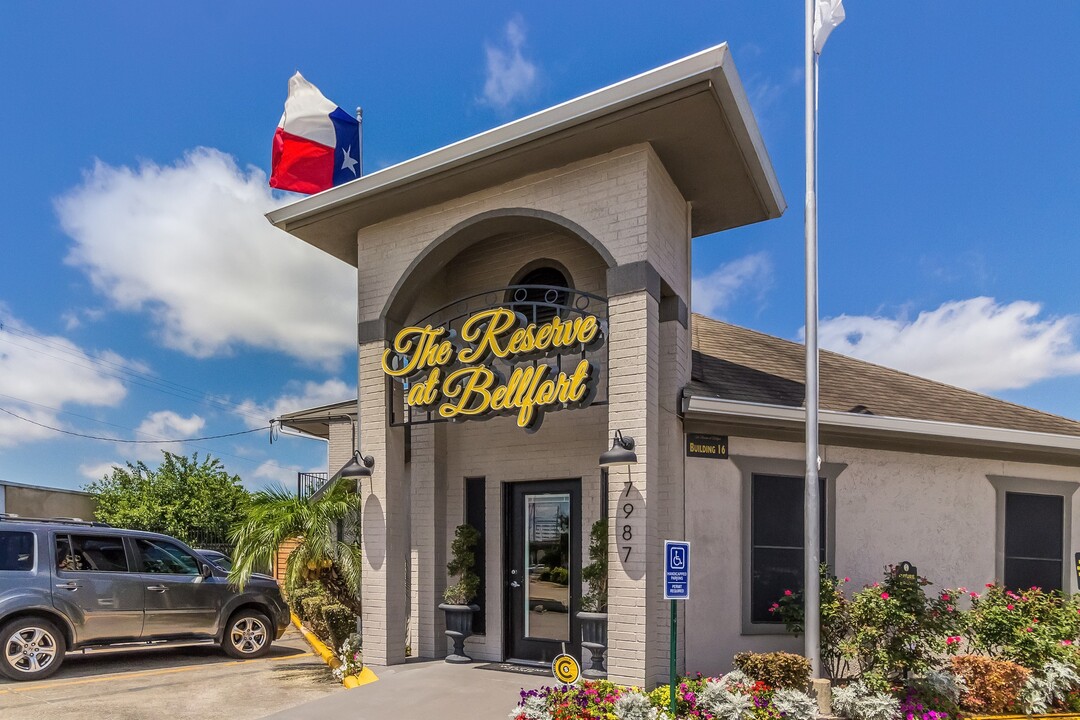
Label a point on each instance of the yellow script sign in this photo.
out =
(457, 377)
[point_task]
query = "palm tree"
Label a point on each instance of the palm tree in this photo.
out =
(276, 515)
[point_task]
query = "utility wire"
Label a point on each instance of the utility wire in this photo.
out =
(121, 371)
(130, 442)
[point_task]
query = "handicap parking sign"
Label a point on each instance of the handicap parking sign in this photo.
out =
(676, 570)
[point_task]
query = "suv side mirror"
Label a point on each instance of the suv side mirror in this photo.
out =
(206, 571)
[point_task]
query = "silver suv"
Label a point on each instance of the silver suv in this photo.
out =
(68, 585)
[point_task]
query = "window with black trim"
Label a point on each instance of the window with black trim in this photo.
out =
(165, 558)
(538, 303)
(476, 515)
(776, 540)
(1034, 531)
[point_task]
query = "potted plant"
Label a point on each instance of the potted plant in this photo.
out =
(458, 597)
(593, 615)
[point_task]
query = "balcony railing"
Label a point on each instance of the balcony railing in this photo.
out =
(308, 483)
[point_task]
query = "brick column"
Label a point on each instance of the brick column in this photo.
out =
(637, 623)
(429, 537)
(384, 525)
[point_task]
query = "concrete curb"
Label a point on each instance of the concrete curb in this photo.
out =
(364, 677)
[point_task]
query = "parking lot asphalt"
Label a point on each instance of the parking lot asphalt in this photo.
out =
(179, 683)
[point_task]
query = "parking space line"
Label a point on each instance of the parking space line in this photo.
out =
(49, 684)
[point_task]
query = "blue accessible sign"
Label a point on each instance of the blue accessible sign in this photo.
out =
(676, 570)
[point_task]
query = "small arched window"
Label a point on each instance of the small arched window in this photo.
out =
(540, 294)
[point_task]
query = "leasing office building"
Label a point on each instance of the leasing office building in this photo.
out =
(523, 298)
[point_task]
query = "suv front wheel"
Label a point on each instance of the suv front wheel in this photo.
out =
(248, 635)
(33, 648)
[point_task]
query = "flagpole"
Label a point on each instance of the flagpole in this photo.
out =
(360, 146)
(811, 589)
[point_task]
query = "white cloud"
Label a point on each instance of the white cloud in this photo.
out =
(188, 243)
(41, 375)
(297, 396)
(165, 425)
(98, 470)
(714, 293)
(510, 77)
(977, 343)
(270, 473)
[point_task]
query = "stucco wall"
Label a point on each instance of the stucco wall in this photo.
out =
(938, 513)
(46, 502)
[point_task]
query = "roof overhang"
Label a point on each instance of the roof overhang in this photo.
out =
(316, 421)
(876, 431)
(694, 112)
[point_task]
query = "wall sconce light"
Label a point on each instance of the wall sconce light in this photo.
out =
(359, 466)
(621, 452)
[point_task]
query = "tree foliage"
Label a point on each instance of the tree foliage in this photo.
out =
(276, 515)
(188, 498)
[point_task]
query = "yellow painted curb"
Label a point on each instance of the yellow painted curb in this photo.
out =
(364, 677)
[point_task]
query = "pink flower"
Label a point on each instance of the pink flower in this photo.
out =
(963, 589)
(1028, 629)
(847, 579)
(945, 597)
(1010, 606)
(989, 585)
(884, 596)
(1066, 642)
(974, 595)
(787, 593)
(949, 608)
(952, 640)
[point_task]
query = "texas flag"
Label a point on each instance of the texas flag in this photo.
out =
(317, 144)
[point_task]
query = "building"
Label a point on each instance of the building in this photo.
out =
(523, 299)
(37, 501)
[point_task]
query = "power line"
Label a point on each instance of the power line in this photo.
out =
(122, 372)
(130, 442)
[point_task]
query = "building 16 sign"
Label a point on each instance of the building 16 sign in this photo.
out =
(452, 372)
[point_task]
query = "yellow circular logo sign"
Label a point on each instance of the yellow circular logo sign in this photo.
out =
(565, 669)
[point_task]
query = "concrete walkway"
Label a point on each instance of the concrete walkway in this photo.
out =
(423, 690)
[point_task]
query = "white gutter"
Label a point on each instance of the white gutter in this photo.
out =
(761, 413)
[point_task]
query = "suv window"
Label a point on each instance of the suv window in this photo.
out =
(16, 551)
(90, 553)
(163, 557)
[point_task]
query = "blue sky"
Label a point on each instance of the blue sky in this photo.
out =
(143, 296)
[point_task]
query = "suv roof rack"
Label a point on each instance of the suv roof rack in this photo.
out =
(58, 520)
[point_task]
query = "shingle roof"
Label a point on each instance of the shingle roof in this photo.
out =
(735, 363)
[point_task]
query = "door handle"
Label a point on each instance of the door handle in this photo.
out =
(515, 584)
(157, 588)
(69, 586)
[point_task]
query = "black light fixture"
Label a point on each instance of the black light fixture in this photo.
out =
(621, 452)
(359, 466)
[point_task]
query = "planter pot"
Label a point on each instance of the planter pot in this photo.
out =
(458, 627)
(594, 638)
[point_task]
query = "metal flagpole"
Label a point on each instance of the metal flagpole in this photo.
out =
(811, 589)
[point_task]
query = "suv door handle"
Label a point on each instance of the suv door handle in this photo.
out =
(157, 588)
(70, 585)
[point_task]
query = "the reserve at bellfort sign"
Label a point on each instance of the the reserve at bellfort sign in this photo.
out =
(497, 362)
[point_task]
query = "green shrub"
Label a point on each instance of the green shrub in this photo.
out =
(340, 623)
(775, 669)
(559, 576)
(298, 595)
(835, 628)
(462, 564)
(313, 616)
(990, 685)
(1030, 627)
(596, 572)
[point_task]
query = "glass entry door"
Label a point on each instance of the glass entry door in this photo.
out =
(543, 583)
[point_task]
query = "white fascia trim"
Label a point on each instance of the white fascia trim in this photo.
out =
(653, 83)
(697, 405)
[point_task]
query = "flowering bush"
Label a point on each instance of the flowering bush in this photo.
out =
(351, 657)
(1030, 628)
(733, 697)
(835, 620)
